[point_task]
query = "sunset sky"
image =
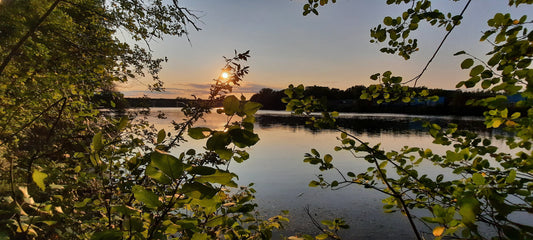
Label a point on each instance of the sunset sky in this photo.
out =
(331, 49)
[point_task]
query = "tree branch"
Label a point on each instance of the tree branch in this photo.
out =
(15, 49)
(415, 79)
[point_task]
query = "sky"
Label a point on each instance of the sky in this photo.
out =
(332, 49)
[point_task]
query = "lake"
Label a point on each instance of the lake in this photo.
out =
(281, 177)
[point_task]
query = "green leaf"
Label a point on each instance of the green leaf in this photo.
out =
(167, 163)
(453, 156)
(511, 177)
(494, 60)
(224, 153)
(198, 190)
(387, 21)
(515, 115)
(161, 136)
(315, 152)
(82, 203)
(97, 142)
(486, 84)
(328, 158)
(467, 63)
(157, 175)
(478, 179)
(38, 178)
(147, 197)
(250, 108)
(221, 177)
(199, 236)
(476, 70)
(231, 105)
(243, 138)
(123, 209)
(468, 214)
(199, 132)
(218, 140)
(216, 221)
(322, 236)
(314, 184)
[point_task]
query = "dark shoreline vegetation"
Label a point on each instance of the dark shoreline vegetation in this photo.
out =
(450, 102)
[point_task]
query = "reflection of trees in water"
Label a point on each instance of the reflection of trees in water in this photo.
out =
(373, 125)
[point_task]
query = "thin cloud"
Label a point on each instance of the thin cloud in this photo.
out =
(196, 89)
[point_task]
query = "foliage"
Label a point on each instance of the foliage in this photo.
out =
(70, 171)
(482, 185)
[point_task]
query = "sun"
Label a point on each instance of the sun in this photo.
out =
(224, 75)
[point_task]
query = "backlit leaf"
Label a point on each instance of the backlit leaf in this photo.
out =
(199, 132)
(161, 136)
(251, 108)
(38, 178)
(231, 105)
(199, 236)
(218, 140)
(157, 175)
(198, 190)
(167, 163)
(149, 198)
(478, 179)
(511, 177)
(221, 177)
(438, 231)
(243, 138)
(97, 142)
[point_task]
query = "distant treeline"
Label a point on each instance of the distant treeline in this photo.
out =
(117, 101)
(161, 102)
(451, 102)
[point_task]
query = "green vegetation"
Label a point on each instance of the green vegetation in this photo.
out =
(69, 171)
(483, 187)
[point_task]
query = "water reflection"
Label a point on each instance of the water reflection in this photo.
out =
(281, 177)
(373, 124)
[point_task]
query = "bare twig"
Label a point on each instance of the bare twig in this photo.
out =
(389, 186)
(415, 79)
(317, 225)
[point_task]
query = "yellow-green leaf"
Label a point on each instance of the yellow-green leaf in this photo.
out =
(149, 198)
(161, 136)
(38, 178)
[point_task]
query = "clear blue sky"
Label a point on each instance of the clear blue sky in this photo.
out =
(331, 49)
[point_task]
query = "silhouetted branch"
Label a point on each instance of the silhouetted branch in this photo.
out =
(415, 79)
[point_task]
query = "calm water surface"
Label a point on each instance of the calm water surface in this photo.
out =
(281, 177)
